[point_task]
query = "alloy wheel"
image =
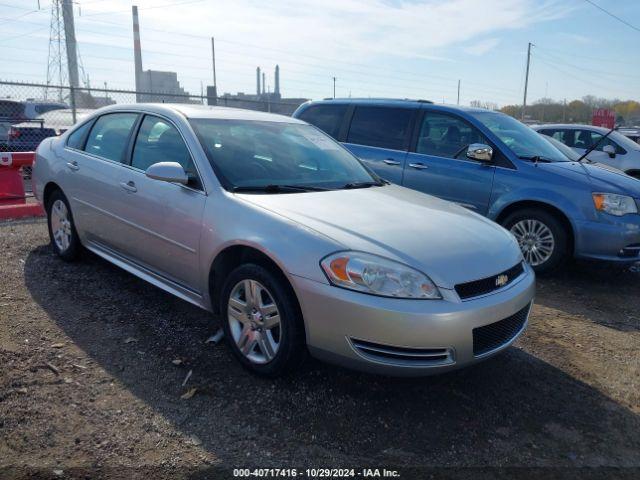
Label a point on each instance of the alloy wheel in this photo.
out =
(535, 240)
(254, 321)
(61, 225)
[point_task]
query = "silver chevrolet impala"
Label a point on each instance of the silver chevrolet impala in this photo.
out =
(272, 225)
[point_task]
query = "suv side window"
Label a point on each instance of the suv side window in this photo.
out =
(110, 134)
(327, 118)
(159, 141)
(77, 138)
(443, 135)
(384, 127)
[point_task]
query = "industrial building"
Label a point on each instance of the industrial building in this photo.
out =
(158, 86)
(263, 100)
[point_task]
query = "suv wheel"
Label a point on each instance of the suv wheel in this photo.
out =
(541, 236)
(62, 230)
(261, 321)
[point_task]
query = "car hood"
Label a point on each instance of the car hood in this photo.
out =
(602, 177)
(447, 242)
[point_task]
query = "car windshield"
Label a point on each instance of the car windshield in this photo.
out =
(263, 155)
(623, 141)
(569, 152)
(522, 140)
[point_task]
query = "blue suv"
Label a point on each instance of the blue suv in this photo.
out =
(496, 166)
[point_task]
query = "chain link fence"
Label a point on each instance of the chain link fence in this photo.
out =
(31, 112)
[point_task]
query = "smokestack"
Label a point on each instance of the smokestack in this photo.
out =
(137, 51)
(258, 81)
(264, 83)
(277, 82)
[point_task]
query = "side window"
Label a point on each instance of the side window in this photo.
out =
(446, 136)
(327, 118)
(110, 134)
(76, 139)
(595, 136)
(382, 127)
(581, 139)
(159, 141)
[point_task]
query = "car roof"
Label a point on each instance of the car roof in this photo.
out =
(201, 111)
(402, 102)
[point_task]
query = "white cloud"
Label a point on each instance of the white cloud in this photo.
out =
(482, 46)
(315, 39)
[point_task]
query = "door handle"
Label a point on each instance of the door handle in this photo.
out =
(73, 165)
(418, 166)
(130, 186)
(391, 161)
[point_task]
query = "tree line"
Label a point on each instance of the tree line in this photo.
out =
(576, 111)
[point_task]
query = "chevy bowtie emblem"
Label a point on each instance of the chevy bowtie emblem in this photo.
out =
(501, 280)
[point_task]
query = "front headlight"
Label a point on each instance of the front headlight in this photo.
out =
(369, 273)
(614, 204)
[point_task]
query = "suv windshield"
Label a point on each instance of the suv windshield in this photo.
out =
(278, 157)
(522, 140)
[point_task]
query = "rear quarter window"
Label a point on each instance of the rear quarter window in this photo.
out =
(327, 118)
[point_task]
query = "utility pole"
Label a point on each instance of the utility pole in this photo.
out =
(526, 81)
(564, 110)
(72, 55)
(334, 87)
(458, 92)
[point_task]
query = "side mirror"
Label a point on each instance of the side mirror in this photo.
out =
(610, 150)
(480, 152)
(167, 172)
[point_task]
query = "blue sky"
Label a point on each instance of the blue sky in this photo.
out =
(394, 48)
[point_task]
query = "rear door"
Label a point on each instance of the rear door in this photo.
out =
(162, 220)
(93, 164)
(379, 136)
(439, 165)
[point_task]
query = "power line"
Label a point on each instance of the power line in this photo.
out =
(613, 15)
(166, 5)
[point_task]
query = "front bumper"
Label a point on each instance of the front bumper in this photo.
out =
(406, 337)
(617, 239)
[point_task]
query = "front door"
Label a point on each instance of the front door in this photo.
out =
(439, 165)
(163, 219)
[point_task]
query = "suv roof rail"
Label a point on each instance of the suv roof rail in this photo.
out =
(419, 100)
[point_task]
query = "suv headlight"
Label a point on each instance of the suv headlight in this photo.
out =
(376, 275)
(614, 204)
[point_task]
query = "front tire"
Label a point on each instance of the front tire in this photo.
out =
(62, 230)
(542, 238)
(261, 320)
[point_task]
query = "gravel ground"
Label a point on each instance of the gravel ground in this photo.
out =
(93, 362)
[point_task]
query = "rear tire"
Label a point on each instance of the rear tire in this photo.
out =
(542, 237)
(262, 322)
(62, 229)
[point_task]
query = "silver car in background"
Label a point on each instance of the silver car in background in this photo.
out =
(616, 150)
(298, 247)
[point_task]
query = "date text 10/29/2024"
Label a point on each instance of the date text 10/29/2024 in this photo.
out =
(316, 473)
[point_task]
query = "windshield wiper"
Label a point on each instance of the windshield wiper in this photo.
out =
(277, 188)
(593, 147)
(535, 158)
(353, 185)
